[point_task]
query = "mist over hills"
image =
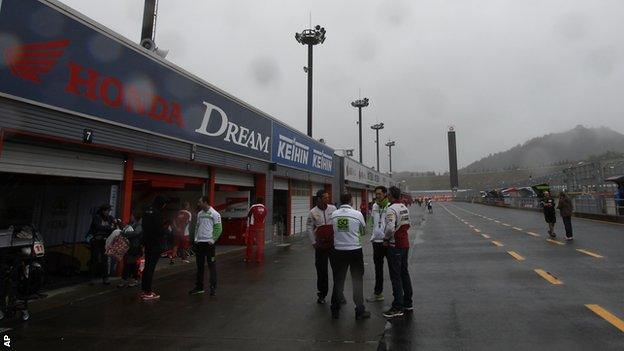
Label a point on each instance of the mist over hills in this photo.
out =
(573, 145)
(536, 157)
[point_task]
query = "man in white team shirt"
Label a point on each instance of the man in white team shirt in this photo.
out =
(348, 225)
(378, 221)
(207, 233)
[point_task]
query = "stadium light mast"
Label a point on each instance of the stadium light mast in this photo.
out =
(310, 37)
(377, 127)
(360, 103)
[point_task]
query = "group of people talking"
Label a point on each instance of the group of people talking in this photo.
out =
(337, 236)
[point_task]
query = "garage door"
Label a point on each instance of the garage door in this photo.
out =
(167, 167)
(299, 206)
(280, 184)
(34, 159)
(234, 178)
(356, 198)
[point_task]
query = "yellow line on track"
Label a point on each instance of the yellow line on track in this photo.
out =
(497, 221)
(608, 316)
(497, 243)
(593, 254)
(533, 234)
(549, 277)
(555, 242)
(515, 255)
(506, 225)
(518, 229)
(485, 236)
(477, 230)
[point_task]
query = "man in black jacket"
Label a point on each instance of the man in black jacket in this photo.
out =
(154, 236)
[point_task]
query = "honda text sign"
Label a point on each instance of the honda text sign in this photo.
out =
(296, 150)
(49, 57)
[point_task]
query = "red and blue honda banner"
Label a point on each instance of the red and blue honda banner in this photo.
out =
(52, 57)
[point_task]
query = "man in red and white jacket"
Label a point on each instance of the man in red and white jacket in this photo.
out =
(255, 230)
(321, 234)
(396, 239)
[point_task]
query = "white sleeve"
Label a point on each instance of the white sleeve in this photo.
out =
(391, 218)
(310, 228)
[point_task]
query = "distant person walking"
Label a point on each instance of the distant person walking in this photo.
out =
(397, 241)
(430, 205)
(321, 234)
(348, 224)
(102, 226)
(619, 199)
(154, 242)
(207, 233)
(550, 216)
(255, 230)
(565, 209)
(378, 219)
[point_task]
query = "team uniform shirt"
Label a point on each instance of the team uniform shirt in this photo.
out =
(348, 225)
(319, 226)
(182, 223)
(208, 226)
(256, 217)
(397, 225)
(378, 216)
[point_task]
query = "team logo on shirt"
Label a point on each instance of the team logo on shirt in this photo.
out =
(343, 224)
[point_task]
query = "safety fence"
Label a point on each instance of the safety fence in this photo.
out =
(598, 204)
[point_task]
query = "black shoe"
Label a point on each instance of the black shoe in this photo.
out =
(213, 291)
(569, 238)
(362, 315)
(320, 300)
(335, 314)
(196, 291)
(392, 313)
(408, 309)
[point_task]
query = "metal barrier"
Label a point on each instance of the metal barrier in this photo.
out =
(584, 203)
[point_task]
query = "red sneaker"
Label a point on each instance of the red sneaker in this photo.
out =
(150, 296)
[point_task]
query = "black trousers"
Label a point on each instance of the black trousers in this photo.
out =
(322, 260)
(379, 254)
(99, 261)
(399, 275)
(205, 252)
(130, 268)
(344, 260)
(567, 223)
(152, 255)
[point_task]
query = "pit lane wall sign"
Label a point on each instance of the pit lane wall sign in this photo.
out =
(51, 57)
(358, 173)
(299, 151)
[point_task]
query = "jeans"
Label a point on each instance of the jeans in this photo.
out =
(152, 255)
(399, 275)
(344, 260)
(321, 261)
(379, 253)
(567, 223)
(99, 261)
(205, 252)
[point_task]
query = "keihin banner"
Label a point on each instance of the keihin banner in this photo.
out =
(358, 173)
(48, 56)
(299, 151)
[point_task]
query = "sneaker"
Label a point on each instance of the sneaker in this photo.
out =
(408, 308)
(569, 238)
(186, 261)
(196, 291)
(171, 262)
(320, 300)
(132, 283)
(213, 292)
(150, 296)
(105, 281)
(123, 284)
(375, 298)
(362, 315)
(393, 312)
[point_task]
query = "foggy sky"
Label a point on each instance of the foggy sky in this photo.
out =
(500, 71)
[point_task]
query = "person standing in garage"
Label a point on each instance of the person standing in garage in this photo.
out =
(255, 230)
(207, 233)
(154, 243)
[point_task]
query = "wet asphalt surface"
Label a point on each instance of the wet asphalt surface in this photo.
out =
(469, 294)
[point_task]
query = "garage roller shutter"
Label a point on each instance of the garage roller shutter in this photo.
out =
(280, 184)
(169, 167)
(34, 159)
(234, 178)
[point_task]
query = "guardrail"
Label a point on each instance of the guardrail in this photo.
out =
(593, 204)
